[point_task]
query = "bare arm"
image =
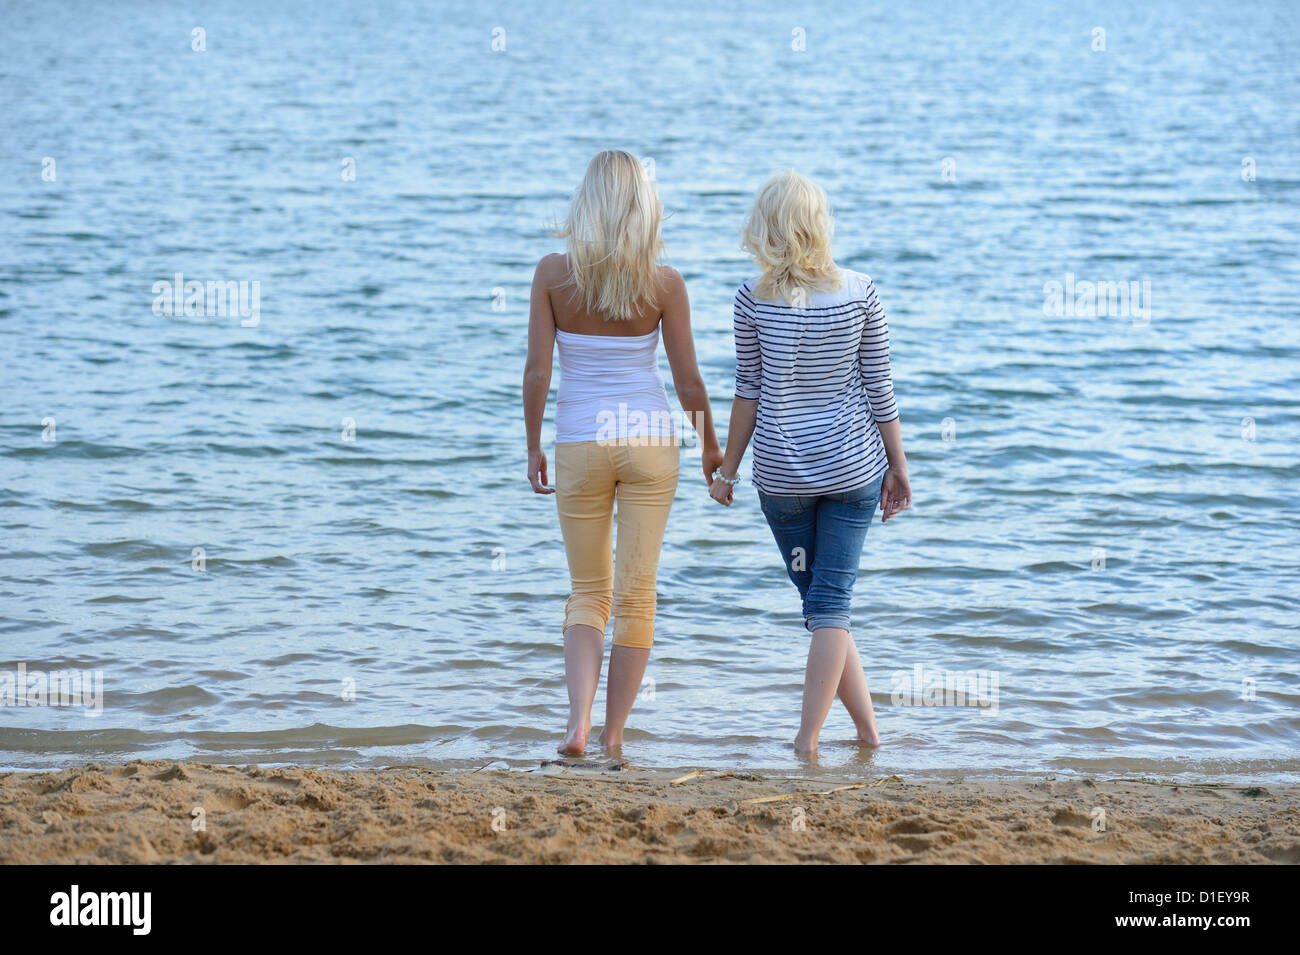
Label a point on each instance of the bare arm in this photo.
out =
(744, 417)
(892, 435)
(537, 375)
(744, 407)
(896, 489)
(679, 343)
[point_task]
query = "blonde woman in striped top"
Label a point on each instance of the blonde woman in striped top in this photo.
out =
(815, 394)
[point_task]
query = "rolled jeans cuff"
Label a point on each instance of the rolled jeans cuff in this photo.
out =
(817, 621)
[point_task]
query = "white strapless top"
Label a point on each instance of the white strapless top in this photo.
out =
(610, 388)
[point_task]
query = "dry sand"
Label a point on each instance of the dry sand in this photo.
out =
(141, 812)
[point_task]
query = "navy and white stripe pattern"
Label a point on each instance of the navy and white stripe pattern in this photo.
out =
(821, 377)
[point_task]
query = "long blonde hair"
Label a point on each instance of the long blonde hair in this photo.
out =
(612, 235)
(788, 233)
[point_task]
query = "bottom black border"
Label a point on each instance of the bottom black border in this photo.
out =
(336, 903)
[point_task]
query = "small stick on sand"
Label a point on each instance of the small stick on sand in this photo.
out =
(837, 789)
(701, 774)
(604, 767)
(1248, 790)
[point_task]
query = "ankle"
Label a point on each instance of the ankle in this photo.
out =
(806, 744)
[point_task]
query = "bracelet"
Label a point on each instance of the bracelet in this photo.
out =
(719, 476)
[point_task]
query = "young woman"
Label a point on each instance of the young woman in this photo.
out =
(813, 390)
(604, 303)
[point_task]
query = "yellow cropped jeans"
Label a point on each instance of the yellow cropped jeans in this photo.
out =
(590, 476)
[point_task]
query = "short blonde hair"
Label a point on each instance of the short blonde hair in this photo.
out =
(788, 233)
(613, 236)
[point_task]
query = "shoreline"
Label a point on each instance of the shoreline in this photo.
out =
(831, 775)
(160, 811)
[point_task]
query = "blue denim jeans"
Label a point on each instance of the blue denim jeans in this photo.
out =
(821, 539)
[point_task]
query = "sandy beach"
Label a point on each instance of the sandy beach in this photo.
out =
(145, 812)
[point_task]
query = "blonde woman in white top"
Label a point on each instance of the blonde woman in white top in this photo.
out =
(604, 303)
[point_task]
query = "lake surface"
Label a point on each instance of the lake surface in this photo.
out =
(1107, 499)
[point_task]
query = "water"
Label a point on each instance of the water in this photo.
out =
(1108, 520)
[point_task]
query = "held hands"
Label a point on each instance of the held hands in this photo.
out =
(719, 490)
(895, 494)
(722, 492)
(537, 475)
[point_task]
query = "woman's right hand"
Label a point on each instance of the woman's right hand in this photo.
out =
(537, 475)
(895, 494)
(712, 460)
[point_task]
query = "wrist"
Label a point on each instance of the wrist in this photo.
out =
(721, 475)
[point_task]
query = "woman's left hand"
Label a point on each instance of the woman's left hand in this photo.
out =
(537, 475)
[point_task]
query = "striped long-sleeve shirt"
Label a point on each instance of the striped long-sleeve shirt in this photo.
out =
(821, 377)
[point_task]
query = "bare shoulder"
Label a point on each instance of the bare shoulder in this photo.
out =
(553, 269)
(671, 282)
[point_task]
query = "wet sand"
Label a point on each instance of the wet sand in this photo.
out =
(144, 812)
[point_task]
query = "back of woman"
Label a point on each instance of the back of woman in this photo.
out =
(822, 368)
(604, 303)
(814, 392)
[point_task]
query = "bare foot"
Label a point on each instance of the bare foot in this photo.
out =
(803, 745)
(611, 745)
(871, 739)
(576, 742)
